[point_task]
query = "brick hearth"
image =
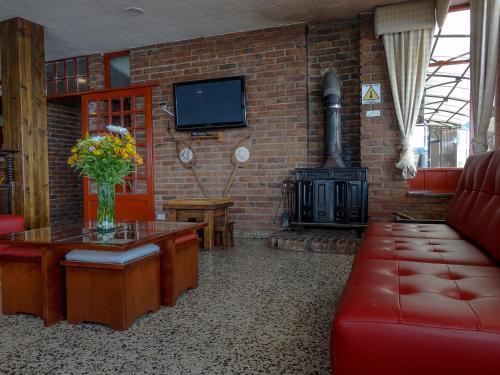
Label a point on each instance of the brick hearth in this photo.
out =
(316, 240)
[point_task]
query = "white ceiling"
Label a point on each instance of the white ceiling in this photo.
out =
(80, 27)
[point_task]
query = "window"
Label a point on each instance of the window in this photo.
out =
(442, 135)
(117, 69)
(68, 76)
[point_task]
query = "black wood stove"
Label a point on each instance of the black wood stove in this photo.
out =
(334, 195)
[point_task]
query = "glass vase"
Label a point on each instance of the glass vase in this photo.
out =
(105, 207)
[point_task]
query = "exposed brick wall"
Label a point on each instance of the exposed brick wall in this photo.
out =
(334, 46)
(274, 62)
(96, 72)
(380, 142)
(65, 186)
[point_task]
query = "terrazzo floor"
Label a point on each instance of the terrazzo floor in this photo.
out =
(257, 311)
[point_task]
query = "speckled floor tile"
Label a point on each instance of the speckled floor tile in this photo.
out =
(257, 311)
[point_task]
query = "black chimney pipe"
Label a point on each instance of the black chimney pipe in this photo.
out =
(333, 133)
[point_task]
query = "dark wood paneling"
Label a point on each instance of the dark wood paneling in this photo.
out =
(25, 116)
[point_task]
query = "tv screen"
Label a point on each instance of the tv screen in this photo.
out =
(215, 103)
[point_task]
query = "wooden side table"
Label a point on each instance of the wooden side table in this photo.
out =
(200, 209)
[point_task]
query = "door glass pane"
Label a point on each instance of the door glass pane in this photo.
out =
(139, 103)
(127, 104)
(92, 123)
(141, 187)
(116, 120)
(115, 105)
(119, 71)
(103, 122)
(139, 120)
(127, 121)
(140, 137)
(103, 106)
(92, 108)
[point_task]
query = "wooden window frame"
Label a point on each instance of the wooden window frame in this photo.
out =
(65, 77)
(106, 59)
(438, 181)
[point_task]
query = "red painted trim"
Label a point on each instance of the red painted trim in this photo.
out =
(106, 58)
(459, 7)
(126, 204)
(435, 180)
(452, 62)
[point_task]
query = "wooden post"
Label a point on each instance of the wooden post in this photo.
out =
(25, 116)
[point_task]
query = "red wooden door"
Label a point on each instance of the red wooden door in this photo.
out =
(130, 108)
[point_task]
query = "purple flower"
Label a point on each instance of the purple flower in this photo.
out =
(91, 148)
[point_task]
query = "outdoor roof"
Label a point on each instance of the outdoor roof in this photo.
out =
(447, 94)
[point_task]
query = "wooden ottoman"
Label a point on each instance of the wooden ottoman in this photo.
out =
(182, 271)
(21, 280)
(112, 288)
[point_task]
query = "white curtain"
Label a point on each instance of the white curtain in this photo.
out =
(407, 56)
(485, 19)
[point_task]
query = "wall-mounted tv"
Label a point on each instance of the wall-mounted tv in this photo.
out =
(209, 104)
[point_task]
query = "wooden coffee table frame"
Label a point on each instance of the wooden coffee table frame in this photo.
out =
(53, 276)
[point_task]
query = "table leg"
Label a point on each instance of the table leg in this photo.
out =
(53, 287)
(208, 231)
(167, 275)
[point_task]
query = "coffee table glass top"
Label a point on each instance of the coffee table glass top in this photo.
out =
(125, 233)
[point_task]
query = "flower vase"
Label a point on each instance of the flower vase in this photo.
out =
(105, 207)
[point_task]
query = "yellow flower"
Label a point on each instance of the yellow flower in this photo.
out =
(130, 148)
(74, 150)
(97, 152)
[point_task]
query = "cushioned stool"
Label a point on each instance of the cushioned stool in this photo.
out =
(21, 280)
(112, 288)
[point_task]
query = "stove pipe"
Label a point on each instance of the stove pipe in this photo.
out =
(333, 134)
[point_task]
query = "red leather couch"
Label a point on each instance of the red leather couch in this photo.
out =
(425, 298)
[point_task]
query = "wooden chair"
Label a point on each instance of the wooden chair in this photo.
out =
(112, 288)
(224, 235)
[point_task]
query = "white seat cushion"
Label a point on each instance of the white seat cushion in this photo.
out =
(111, 257)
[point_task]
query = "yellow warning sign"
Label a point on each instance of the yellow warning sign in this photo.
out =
(370, 93)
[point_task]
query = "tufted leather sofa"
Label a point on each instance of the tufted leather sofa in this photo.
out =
(425, 298)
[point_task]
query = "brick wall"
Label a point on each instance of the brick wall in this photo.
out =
(282, 66)
(65, 186)
(334, 46)
(380, 142)
(274, 62)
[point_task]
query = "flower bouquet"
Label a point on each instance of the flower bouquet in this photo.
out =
(106, 159)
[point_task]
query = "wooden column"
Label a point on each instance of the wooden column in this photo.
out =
(25, 116)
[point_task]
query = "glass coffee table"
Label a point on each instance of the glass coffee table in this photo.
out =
(55, 241)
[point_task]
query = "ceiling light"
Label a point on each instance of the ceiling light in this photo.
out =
(133, 11)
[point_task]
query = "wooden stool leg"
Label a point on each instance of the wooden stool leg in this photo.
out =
(225, 238)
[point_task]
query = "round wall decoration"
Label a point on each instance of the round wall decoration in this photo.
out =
(242, 154)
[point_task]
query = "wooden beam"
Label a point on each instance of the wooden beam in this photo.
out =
(25, 116)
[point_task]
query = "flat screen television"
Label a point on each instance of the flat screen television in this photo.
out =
(210, 104)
